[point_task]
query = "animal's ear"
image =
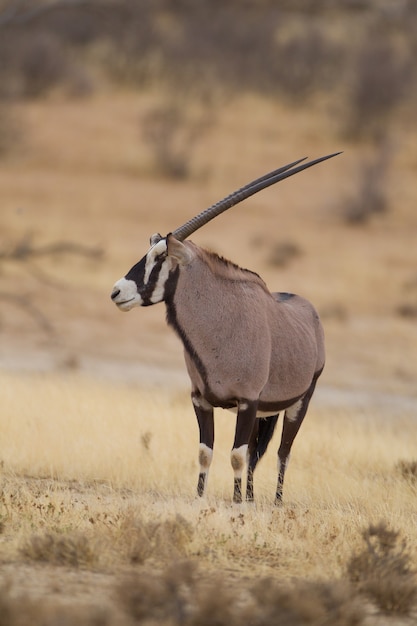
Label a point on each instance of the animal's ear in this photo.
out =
(177, 250)
(155, 238)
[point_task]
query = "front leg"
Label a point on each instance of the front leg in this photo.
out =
(204, 413)
(246, 417)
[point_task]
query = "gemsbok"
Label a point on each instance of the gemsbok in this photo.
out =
(246, 349)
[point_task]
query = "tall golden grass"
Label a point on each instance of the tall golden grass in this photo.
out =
(85, 455)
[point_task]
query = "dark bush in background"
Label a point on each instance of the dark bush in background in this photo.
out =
(239, 45)
(359, 56)
(381, 80)
(370, 195)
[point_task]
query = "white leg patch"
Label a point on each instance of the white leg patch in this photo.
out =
(201, 403)
(238, 459)
(292, 412)
(205, 457)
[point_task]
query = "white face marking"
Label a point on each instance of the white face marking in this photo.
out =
(153, 253)
(238, 459)
(159, 290)
(128, 296)
(292, 411)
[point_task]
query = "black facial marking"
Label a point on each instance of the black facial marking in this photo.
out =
(137, 274)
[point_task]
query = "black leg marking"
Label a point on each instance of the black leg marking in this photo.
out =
(293, 419)
(201, 484)
(245, 423)
(253, 460)
(262, 433)
(237, 490)
(204, 414)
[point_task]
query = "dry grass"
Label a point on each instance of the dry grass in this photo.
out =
(100, 479)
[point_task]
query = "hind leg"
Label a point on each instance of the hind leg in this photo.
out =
(252, 461)
(293, 418)
(260, 438)
(245, 424)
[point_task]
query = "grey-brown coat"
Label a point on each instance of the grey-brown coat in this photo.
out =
(246, 349)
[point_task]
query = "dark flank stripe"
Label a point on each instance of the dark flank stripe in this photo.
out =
(230, 403)
(267, 407)
(173, 321)
(276, 407)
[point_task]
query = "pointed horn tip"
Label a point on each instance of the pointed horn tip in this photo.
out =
(183, 232)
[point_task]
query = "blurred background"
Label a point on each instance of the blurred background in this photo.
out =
(119, 119)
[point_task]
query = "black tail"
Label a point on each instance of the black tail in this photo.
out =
(266, 428)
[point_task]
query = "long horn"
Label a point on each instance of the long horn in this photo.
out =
(184, 231)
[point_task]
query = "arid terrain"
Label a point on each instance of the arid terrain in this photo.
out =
(99, 523)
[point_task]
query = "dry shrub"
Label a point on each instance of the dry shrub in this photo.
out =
(19, 610)
(408, 470)
(162, 598)
(308, 61)
(172, 132)
(382, 570)
(407, 310)
(11, 131)
(220, 604)
(282, 253)
(167, 539)
(183, 596)
(37, 63)
(371, 196)
(305, 603)
(73, 549)
(180, 595)
(381, 80)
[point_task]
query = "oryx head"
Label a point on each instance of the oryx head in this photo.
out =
(148, 282)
